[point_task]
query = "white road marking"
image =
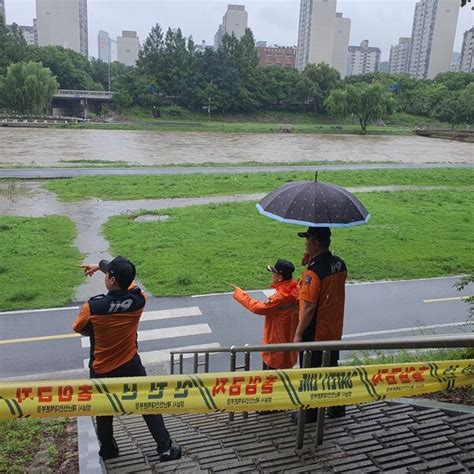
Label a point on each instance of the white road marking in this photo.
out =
(443, 300)
(170, 314)
(164, 333)
(417, 328)
(47, 310)
(360, 283)
(157, 357)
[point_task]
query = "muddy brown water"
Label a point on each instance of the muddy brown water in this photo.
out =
(50, 147)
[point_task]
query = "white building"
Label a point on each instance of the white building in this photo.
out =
(30, 34)
(128, 47)
(455, 62)
(342, 32)
(63, 23)
(235, 22)
(399, 56)
(316, 32)
(432, 39)
(323, 35)
(104, 47)
(467, 54)
(363, 59)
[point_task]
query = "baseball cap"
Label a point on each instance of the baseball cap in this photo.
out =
(283, 268)
(120, 268)
(319, 233)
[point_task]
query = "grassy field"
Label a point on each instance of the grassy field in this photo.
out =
(201, 249)
(196, 185)
(37, 261)
(20, 440)
(240, 127)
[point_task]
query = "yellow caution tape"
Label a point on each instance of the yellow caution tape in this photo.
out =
(232, 391)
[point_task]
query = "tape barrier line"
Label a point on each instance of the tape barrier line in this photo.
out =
(231, 391)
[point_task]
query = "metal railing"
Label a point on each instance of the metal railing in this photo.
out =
(84, 94)
(422, 342)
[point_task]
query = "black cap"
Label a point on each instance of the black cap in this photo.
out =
(120, 268)
(321, 234)
(283, 268)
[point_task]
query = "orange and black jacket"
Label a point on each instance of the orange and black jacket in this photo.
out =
(111, 322)
(324, 283)
(281, 320)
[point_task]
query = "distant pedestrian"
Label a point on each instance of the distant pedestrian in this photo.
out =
(111, 321)
(322, 299)
(280, 311)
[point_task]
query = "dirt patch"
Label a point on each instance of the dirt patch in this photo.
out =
(460, 396)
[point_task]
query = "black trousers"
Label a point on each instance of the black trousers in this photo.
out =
(155, 423)
(317, 361)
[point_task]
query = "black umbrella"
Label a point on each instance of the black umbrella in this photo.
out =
(314, 204)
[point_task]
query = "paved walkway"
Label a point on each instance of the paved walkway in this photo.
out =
(52, 173)
(387, 437)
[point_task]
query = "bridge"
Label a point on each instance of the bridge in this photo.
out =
(79, 103)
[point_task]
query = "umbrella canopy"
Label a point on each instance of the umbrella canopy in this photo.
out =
(314, 204)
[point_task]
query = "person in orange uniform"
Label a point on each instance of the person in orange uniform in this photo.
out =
(111, 322)
(281, 314)
(322, 299)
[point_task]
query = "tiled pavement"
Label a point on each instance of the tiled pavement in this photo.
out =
(377, 437)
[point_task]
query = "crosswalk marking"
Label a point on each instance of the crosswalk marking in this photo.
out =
(170, 314)
(164, 333)
(157, 357)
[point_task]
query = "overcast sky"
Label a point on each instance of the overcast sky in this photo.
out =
(382, 22)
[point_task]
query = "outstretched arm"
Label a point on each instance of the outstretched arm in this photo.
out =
(255, 306)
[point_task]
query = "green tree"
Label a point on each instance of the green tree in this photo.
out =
(456, 108)
(454, 81)
(278, 87)
(72, 69)
(28, 87)
(368, 102)
(316, 84)
(13, 47)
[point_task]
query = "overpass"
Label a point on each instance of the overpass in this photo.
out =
(80, 103)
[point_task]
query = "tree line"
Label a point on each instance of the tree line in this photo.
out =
(171, 72)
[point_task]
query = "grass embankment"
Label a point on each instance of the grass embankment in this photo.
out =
(235, 127)
(37, 260)
(262, 122)
(21, 439)
(200, 249)
(197, 185)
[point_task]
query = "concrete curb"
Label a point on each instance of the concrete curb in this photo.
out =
(88, 446)
(451, 408)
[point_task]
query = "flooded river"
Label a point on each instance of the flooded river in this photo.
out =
(50, 147)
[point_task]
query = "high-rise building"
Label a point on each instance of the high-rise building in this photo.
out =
(399, 55)
(323, 35)
(432, 38)
(104, 46)
(467, 54)
(383, 67)
(363, 59)
(455, 62)
(128, 47)
(2, 12)
(63, 23)
(342, 31)
(234, 22)
(316, 32)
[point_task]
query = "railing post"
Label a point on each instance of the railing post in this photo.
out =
(301, 412)
(326, 362)
(233, 365)
(247, 368)
(196, 363)
(206, 362)
(181, 357)
(172, 363)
